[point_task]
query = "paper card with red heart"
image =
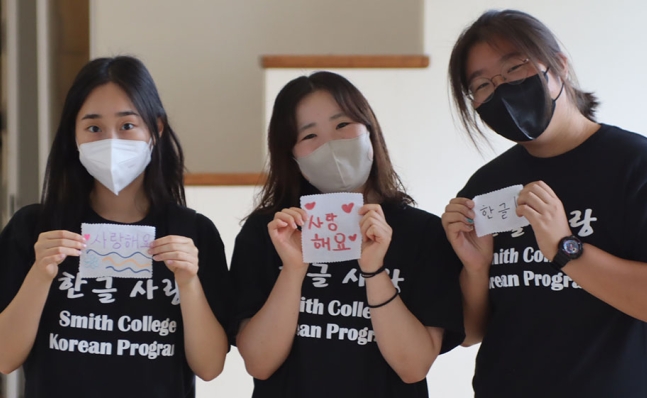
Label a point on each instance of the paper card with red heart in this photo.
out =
(331, 232)
(115, 250)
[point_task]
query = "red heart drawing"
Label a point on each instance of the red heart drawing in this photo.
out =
(87, 237)
(310, 206)
(348, 208)
(352, 237)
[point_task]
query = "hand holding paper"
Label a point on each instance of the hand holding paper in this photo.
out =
(285, 235)
(541, 206)
(179, 254)
(458, 221)
(53, 247)
(376, 237)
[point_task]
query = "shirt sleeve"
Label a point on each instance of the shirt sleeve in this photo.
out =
(212, 271)
(17, 252)
(634, 224)
(436, 296)
(252, 271)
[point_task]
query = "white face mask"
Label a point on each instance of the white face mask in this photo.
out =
(339, 165)
(115, 163)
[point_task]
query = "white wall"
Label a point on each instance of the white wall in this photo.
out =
(204, 56)
(605, 43)
(226, 207)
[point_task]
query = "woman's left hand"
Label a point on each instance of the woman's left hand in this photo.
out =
(545, 212)
(376, 237)
(179, 254)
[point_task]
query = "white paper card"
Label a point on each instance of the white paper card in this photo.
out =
(331, 233)
(116, 250)
(497, 211)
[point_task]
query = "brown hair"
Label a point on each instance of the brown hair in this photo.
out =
(531, 38)
(285, 183)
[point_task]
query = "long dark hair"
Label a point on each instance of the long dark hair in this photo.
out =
(285, 183)
(529, 37)
(67, 185)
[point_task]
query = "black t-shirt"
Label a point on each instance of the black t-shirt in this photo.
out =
(334, 353)
(546, 336)
(111, 337)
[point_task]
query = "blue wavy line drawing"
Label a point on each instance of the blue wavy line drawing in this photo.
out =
(127, 268)
(107, 254)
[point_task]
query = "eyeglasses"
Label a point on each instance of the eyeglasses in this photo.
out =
(514, 71)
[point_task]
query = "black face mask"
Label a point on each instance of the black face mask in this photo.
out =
(518, 112)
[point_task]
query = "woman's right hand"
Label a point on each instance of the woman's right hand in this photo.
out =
(458, 222)
(286, 237)
(52, 248)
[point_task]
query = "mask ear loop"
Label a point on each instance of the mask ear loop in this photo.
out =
(560, 91)
(371, 154)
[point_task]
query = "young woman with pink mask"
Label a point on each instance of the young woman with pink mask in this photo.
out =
(364, 328)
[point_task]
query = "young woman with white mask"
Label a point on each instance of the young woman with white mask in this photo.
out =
(324, 138)
(114, 160)
(560, 305)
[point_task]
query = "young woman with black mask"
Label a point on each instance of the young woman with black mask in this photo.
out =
(560, 305)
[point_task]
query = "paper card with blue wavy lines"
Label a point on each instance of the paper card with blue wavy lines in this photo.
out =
(115, 250)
